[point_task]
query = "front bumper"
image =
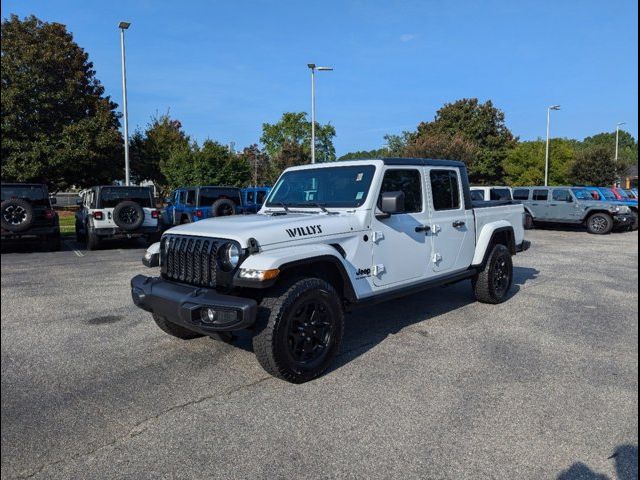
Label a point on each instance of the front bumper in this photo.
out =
(624, 219)
(182, 304)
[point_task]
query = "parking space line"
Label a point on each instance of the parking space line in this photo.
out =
(76, 251)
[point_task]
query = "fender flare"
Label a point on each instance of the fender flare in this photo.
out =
(486, 238)
(304, 257)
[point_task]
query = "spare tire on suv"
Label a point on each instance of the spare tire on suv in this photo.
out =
(223, 207)
(16, 214)
(128, 215)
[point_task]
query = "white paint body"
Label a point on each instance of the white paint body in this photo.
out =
(396, 255)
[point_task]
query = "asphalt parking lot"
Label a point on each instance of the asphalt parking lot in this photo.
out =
(430, 386)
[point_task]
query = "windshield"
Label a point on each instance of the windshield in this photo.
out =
(582, 194)
(35, 194)
(623, 194)
(341, 187)
(111, 196)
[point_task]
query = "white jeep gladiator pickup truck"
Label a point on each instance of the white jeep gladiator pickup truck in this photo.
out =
(329, 238)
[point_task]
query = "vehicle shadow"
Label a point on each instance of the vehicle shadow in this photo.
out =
(553, 227)
(69, 243)
(367, 327)
(626, 464)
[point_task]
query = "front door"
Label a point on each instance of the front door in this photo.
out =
(400, 243)
(452, 224)
(562, 207)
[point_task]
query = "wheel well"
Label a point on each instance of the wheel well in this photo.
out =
(326, 268)
(502, 236)
(590, 213)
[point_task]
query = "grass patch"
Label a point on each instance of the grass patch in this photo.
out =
(67, 223)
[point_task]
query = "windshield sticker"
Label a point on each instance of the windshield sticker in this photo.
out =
(359, 195)
(359, 177)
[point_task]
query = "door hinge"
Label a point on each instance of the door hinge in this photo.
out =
(436, 228)
(437, 258)
(377, 270)
(377, 236)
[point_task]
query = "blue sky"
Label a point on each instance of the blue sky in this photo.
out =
(225, 67)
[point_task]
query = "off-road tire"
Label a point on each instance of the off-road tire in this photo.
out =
(271, 342)
(184, 220)
(488, 288)
(128, 215)
(223, 207)
(174, 330)
(14, 209)
(529, 223)
(92, 240)
(600, 224)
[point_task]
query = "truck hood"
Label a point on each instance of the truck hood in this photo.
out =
(268, 229)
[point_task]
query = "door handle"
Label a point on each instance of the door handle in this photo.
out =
(423, 228)
(458, 224)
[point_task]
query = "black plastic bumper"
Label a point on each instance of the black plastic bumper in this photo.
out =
(524, 246)
(117, 232)
(624, 219)
(183, 305)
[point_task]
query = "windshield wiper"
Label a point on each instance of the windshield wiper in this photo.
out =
(285, 206)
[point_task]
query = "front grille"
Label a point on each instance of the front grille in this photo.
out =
(193, 260)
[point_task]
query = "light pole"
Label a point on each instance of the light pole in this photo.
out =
(618, 138)
(546, 157)
(313, 68)
(123, 26)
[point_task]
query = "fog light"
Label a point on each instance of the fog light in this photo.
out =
(220, 317)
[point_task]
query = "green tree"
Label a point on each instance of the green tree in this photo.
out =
(594, 165)
(483, 125)
(58, 126)
(525, 164)
(627, 147)
(443, 146)
(365, 154)
(258, 161)
(294, 129)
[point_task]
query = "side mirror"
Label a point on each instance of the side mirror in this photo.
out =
(53, 200)
(79, 201)
(392, 202)
(569, 199)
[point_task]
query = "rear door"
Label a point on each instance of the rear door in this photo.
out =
(539, 204)
(452, 224)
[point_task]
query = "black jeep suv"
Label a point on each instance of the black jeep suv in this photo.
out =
(26, 213)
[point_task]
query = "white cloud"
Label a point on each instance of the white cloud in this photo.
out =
(407, 37)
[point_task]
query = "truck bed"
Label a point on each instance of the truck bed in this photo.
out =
(512, 212)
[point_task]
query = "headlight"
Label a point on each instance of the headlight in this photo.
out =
(230, 256)
(624, 209)
(614, 208)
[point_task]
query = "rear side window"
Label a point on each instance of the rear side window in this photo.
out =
(445, 190)
(407, 181)
(541, 195)
(261, 196)
(521, 194)
(208, 195)
(500, 194)
(477, 195)
(111, 196)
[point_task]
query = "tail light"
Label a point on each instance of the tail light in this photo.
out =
(98, 215)
(49, 214)
(155, 213)
(198, 213)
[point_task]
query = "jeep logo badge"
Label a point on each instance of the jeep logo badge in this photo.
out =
(304, 231)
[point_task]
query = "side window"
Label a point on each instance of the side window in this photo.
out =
(407, 181)
(500, 194)
(445, 190)
(541, 195)
(182, 197)
(561, 195)
(477, 195)
(261, 196)
(521, 194)
(251, 197)
(191, 197)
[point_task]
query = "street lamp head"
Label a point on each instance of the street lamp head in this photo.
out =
(124, 25)
(554, 107)
(621, 123)
(324, 69)
(312, 66)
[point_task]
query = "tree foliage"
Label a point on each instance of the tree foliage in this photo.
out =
(525, 164)
(261, 171)
(58, 126)
(595, 166)
(443, 146)
(293, 134)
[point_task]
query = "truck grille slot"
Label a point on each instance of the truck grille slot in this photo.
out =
(191, 260)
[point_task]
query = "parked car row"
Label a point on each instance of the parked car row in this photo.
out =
(599, 209)
(117, 212)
